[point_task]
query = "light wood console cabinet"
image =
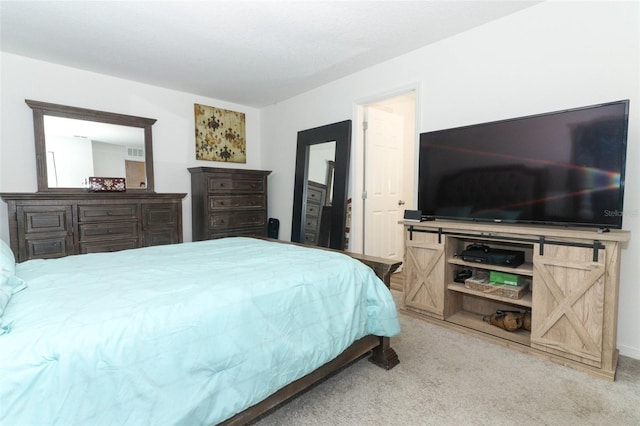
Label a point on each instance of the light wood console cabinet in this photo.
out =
(573, 296)
(50, 225)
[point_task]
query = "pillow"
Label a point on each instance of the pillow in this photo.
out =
(7, 260)
(10, 284)
(6, 291)
(8, 269)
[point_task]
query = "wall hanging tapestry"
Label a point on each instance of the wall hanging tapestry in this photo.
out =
(220, 134)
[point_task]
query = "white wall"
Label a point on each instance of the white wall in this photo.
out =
(108, 159)
(69, 161)
(173, 133)
(548, 57)
(319, 155)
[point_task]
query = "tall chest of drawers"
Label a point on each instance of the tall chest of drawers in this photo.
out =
(43, 226)
(316, 196)
(228, 202)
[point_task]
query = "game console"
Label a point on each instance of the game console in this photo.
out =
(480, 253)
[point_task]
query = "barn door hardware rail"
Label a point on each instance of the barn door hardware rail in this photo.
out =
(596, 245)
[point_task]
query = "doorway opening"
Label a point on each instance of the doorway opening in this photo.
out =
(386, 137)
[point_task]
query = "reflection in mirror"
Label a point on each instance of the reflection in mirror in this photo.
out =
(317, 212)
(73, 144)
(319, 157)
(77, 149)
(331, 165)
(320, 192)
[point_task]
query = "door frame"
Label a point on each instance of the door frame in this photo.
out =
(356, 178)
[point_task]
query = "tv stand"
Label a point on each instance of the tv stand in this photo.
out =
(573, 295)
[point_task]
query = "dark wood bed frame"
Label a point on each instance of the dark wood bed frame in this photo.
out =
(382, 354)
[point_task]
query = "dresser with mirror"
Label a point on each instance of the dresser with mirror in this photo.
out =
(65, 216)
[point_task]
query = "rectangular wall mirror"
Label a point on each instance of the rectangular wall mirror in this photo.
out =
(73, 144)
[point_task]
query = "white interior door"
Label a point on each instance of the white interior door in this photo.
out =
(383, 180)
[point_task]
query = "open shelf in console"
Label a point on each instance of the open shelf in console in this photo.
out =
(524, 269)
(525, 301)
(455, 262)
(475, 322)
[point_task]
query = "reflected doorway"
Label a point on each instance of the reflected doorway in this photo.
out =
(135, 174)
(317, 213)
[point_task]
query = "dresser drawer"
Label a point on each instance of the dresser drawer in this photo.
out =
(236, 220)
(47, 248)
(226, 202)
(230, 185)
(315, 193)
(37, 219)
(111, 212)
(160, 215)
(313, 210)
(311, 223)
(108, 246)
(310, 238)
(102, 230)
(247, 232)
(159, 237)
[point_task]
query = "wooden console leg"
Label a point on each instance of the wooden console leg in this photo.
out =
(383, 355)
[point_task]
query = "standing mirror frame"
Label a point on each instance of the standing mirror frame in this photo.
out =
(42, 109)
(340, 133)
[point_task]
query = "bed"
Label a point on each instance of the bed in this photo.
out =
(209, 332)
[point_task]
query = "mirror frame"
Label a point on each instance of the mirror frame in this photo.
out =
(40, 109)
(340, 133)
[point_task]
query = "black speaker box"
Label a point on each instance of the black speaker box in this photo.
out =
(413, 215)
(273, 228)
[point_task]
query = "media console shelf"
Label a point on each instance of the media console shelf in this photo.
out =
(572, 297)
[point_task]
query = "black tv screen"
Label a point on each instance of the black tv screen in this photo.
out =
(561, 168)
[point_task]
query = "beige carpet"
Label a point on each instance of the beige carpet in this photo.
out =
(447, 378)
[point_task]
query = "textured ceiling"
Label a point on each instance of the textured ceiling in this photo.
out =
(251, 53)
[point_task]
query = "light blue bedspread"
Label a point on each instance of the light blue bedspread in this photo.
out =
(179, 334)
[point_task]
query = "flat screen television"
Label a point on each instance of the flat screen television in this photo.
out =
(559, 168)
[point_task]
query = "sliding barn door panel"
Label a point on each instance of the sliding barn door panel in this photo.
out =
(424, 277)
(568, 298)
